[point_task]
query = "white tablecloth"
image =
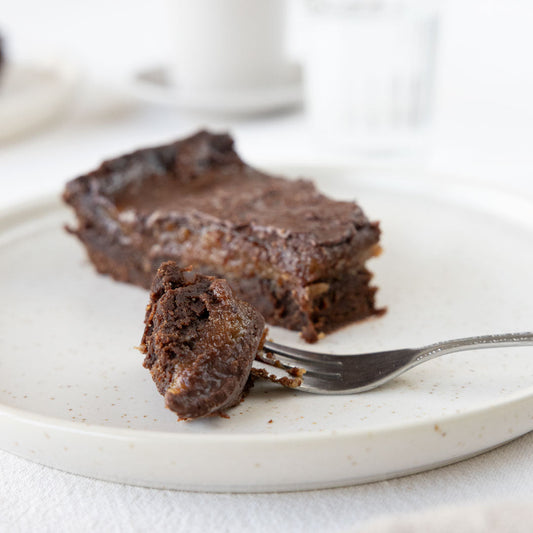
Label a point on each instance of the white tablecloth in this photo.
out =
(483, 130)
(36, 498)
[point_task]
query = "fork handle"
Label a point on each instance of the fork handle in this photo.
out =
(474, 343)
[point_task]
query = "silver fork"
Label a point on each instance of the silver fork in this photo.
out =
(348, 374)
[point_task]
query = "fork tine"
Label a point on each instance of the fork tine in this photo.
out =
(301, 355)
(319, 364)
(320, 384)
(310, 367)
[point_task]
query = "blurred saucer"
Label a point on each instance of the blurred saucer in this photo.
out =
(157, 85)
(32, 95)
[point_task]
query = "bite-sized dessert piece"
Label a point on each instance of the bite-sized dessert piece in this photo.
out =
(200, 342)
(296, 255)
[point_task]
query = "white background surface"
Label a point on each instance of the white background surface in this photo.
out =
(483, 130)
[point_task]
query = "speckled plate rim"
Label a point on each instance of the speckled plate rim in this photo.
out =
(279, 463)
(360, 456)
(512, 401)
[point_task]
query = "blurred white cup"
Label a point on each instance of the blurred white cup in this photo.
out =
(369, 71)
(225, 45)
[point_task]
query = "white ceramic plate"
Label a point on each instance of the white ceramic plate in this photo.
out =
(457, 261)
(157, 85)
(33, 95)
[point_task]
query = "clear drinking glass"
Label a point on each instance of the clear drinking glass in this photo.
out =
(369, 70)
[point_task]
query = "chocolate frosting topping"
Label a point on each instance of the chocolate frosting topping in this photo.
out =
(204, 174)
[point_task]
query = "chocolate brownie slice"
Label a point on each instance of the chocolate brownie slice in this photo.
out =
(199, 342)
(296, 255)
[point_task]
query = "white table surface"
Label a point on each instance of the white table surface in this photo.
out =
(483, 131)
